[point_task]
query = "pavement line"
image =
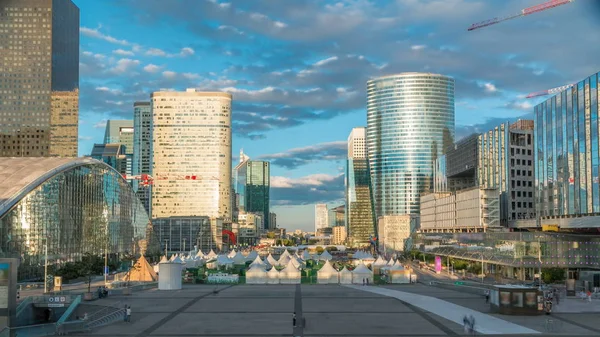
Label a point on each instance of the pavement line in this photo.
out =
(429, 319)
(158, 324)
(484, 324)
(299, 328)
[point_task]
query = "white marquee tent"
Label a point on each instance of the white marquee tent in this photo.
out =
(200, 254)
(239, 259)
(231, 254)
(258, 262)
(391, 262)
(345, 276)
(251, 256)
(290, 274)
(212, 254)
(284, 260)
(256, 275)
(273, 276)
(223, 260)
(284, 254)
(360, 273)
(325, 256)
(271, 260)
(328, 275)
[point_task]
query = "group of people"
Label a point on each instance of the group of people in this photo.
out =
(365, 281)
(469, 324)
(102, 292)
(127, 314)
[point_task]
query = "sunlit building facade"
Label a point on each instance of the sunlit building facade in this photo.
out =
(191, 154)
(410, 122)
(39, 78)
(75, 206)
(252, 187)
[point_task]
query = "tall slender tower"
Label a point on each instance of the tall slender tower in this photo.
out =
(142, 146)
(39, 49)
(410, 121)
(191, 155)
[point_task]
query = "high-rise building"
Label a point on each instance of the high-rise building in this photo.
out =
(273, 220)
(410, 121)
(360, 221)
(142, 146)
(321, 217)
(191, 154)
(111, 154)
(39, 78)
(567, 187)
(252, 185)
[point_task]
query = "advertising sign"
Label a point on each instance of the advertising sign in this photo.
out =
(438, 264)
(8, 291)
(4, 289)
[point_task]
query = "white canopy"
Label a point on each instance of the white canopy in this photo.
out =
(305, 255)
(223, 260)
(252, 256)
(273, 276)
(345, 276)
(271, 260)
(360, 273)
(367, 256)
(256, 275)
(200, 253)
(325, 256)
(164, 259)
(284, 254)
(379, 262)
(391, 262)
(258, 262)
(284, 259)
(397, 266)
(173, 257)
(231, 254)
(290, 274)
(327, 274)
(212, 254)
(239, 258)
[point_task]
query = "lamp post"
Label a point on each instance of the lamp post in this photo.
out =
(482, 273)
(184, 239)
(46, 266)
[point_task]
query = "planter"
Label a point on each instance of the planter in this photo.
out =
(127, 291)
(88, 296)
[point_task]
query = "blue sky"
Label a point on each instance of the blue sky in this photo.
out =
(298, 70)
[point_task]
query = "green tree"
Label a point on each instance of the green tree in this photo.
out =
(320, 250)
(271, 235)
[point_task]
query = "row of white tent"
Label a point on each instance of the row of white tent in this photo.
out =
(257, 274)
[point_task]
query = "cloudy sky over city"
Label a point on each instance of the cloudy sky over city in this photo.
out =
(298, 70)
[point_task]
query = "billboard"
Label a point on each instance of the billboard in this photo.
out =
(438, 264)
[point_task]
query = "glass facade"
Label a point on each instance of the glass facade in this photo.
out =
(142, 145)
(180, 234)
(121, 132)
(566, 151)
(360, 219)
(39, 78)
(252, 181)
(76, 206)
(410, 121)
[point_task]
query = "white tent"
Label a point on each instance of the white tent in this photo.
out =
(211, 255)
(345, 276)
(398, 266)
(271, 260)
(273, 276)
(290, 274)
(305, 255)
(391, 262)
(256, 275)
(379, 262)
(327, 274)
(367, 256)
(284, 254)
(239, 259)
(258, 262)
(231, 254)
(252, 256)
(284, 260)
(223, 260)
(164, 259)
(297, 262)
(325, 256)
(172, 257)
(200, 254)
(177, 260)
(360, 273)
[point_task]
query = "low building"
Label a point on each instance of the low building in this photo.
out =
(473, 210)
(395, 232)
(339, 235)
(74, 206)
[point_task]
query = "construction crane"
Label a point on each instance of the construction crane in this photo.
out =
(147, 179)
(524, 12)
(549, 91)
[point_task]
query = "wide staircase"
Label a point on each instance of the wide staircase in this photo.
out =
(102, 317)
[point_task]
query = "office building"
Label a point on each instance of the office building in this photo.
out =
(566, 157)
(395, 233)
(142, 146)
(121, 132)
(111, 154)
(273, 220)
(191, 157)
(337, 216)
(74, 206)
(39, 78)
(410, 122)
(321, 217)
(179, 234)
(360, 219)
(457, 169)
(505, 162)
(252, 187)
(339, 235)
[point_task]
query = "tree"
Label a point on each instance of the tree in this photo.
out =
(271, 235)
(320, 250)
(86, 268)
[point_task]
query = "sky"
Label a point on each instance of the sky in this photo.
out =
(298, 70)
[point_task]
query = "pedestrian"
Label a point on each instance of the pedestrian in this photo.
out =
(363, 282)
(589, 296)
(128, 314)
(294, 319)
(125, 313)
(367, 280)
(466, 324)
(487, 296)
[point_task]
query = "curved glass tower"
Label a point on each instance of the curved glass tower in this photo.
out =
(410, 122)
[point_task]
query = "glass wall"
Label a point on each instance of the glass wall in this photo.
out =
(85, 209)
(360, 220)
(410, 121)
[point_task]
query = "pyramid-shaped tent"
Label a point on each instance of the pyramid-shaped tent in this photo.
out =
(290, 274)
(239, 259)
(285, 254)
(200, 254)
(360, 273)
(142, 271)
(271, 260)
(258, 262)
(211, 254)
(273, 276)
(283, 260)
(164, 259)
(327, 274)
(379, 262)
(345, 276)
(231, 254)
(325, 256)
(252, 256)
(305, 255)
(256, 275)
(223, 260)
(391, 262)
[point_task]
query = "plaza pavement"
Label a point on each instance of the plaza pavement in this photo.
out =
(329, 310)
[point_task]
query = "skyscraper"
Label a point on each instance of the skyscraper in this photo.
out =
(321, 216)
(142, 146)
(191, 156)
(252, 186)
(39, 73)
(359, 207)
(410, 120)
(121, 132)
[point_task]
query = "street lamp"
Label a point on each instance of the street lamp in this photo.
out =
(482, 274)
(46, 266)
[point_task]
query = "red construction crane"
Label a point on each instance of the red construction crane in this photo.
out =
(147, 179)
(549, 91)
(524, 12)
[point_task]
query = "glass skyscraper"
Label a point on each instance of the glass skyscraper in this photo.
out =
(410, 121)
(566, 152)
(142, 145)
(39, 78)
(252, 184)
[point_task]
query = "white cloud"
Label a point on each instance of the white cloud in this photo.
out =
(100, 125)
(186, 51)
(109, 90)
(169, 74)
(191, 76)
(155, 52)
(152, 68)
(489, 87)
(122, 52)
(418, 47)
(319, 179)
(124, 65)
(95, 33)
(325, 61)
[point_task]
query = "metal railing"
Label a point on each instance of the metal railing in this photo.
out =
(69, 310)
(107, 319)
(23, 305)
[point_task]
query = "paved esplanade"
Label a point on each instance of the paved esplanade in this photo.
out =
(484, 324)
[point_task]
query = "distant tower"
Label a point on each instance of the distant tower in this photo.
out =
(243, 157)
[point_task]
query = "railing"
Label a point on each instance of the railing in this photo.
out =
(48, 329)
(23, 305)
(112, 317)
(69, 310)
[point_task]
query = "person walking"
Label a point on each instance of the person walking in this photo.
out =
(125, 313)
(294, 319)
(128, 314)
(487, 296)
